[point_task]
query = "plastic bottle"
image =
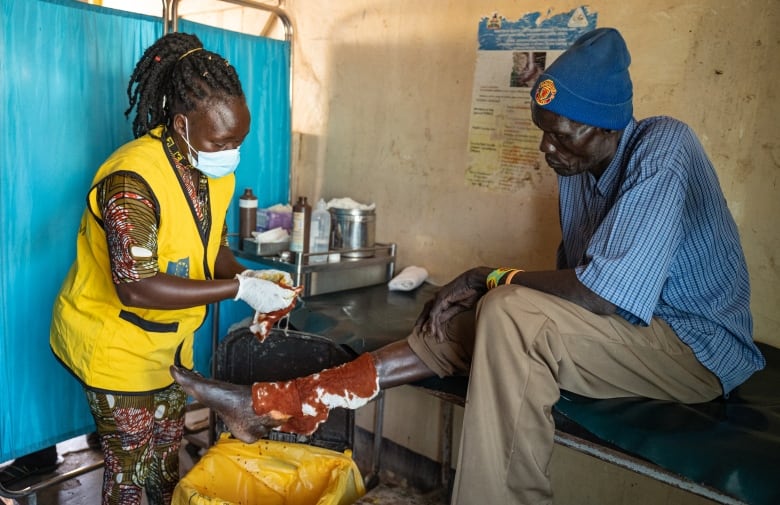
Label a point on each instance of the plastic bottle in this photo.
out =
(319, 237)
(247, 215)
(301, 221)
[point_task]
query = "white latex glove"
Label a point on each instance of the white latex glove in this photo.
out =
(262, 295)
(276, 276)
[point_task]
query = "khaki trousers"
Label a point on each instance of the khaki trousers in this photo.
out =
(527, 345)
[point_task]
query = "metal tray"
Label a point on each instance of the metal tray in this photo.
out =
(348, 273)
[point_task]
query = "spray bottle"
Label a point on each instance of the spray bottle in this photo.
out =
(319, 238)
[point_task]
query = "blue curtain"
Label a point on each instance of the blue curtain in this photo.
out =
(65, 68)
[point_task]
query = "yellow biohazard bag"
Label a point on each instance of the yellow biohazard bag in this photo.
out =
(269, 472)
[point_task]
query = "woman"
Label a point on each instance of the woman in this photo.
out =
(151, 255)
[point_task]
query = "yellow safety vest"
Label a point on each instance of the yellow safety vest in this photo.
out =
(112, 347)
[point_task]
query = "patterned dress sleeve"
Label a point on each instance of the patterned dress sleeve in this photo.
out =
(131, 221)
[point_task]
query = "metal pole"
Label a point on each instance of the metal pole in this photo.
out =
(166, 15)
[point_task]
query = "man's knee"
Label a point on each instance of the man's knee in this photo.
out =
(505, 300)
(511, 313)
(451, 355)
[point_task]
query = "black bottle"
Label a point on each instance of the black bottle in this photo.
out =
(301, 222)
(247, 214)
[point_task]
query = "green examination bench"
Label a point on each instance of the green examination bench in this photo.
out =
(726, 450)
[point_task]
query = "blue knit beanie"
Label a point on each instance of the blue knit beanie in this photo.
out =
(589, 83)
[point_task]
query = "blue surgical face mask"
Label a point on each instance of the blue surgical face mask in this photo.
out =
(216, 164)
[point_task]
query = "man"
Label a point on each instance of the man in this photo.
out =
(650, 297)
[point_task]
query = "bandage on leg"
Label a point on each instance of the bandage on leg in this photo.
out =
(304, 403)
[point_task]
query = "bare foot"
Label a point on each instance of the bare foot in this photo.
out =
(231, 402)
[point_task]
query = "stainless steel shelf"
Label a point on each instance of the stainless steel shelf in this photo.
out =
(375, 265)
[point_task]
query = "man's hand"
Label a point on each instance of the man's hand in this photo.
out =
(459, 295)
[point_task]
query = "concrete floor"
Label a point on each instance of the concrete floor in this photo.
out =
(578, 480)
(84, 489)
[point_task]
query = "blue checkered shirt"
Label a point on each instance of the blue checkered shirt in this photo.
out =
(653, 235)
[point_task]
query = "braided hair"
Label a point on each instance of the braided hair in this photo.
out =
(175, 75)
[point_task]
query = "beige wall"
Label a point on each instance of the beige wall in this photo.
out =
(382, 103)
(382, 100)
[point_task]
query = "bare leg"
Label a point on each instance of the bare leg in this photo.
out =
(232, 402)
(396, 364)
(301, 405)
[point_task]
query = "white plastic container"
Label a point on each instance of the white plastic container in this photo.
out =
(319, 234)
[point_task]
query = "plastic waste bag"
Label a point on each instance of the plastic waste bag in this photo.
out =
(269, 472)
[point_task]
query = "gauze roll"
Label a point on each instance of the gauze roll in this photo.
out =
(409, 278)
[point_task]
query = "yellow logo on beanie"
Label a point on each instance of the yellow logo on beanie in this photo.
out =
(545, 92)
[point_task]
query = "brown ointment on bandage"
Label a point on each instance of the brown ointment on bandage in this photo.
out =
(305, 402)
(263, 323)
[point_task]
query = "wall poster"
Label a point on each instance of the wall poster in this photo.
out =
(503, 141)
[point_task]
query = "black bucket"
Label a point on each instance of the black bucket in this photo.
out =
(242, 359)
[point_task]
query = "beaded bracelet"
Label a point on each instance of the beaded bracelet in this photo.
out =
(494, 277)
(508, 279)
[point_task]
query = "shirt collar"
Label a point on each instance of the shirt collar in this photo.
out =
(614, 171)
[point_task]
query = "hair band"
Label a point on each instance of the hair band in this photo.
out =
(190, 52)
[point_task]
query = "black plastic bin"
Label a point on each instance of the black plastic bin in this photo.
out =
(242, 359)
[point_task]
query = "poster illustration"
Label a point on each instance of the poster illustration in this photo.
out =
(503, 142)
